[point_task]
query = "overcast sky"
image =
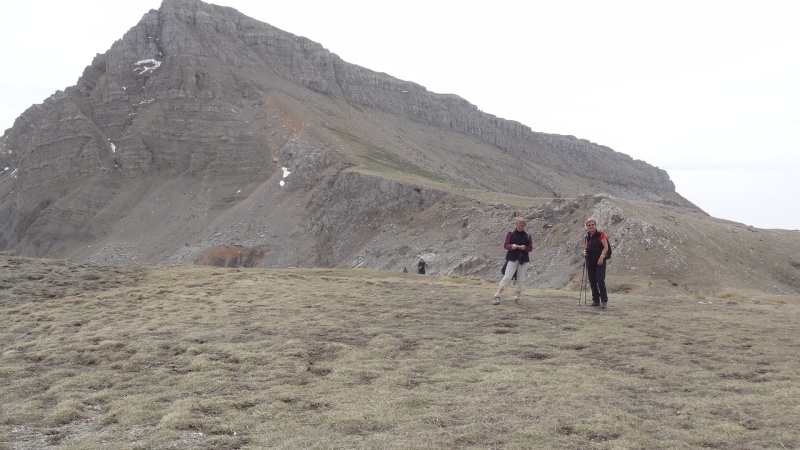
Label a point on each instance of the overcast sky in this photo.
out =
(707, 90)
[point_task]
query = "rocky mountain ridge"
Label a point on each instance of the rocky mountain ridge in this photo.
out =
(174, 147)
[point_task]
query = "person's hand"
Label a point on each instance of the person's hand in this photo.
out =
(600, 261)
(514, 246)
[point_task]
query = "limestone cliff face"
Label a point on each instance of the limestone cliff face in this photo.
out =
(205, 129)
(215, 58)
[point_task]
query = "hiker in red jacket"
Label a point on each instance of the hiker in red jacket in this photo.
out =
(595, 248)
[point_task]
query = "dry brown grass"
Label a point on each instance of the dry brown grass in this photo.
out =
(203, 357)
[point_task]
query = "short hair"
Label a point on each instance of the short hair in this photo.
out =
(520, 219)
(590, 219)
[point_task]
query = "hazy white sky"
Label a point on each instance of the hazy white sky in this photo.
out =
(707, 90)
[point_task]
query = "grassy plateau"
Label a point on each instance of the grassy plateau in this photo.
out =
(205, 357)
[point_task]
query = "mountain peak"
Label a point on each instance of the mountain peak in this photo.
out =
(176, 143)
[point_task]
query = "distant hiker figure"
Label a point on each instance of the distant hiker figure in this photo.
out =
(595, 249)
(421, 266)
(518, 245)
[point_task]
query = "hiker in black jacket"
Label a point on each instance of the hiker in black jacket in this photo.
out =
(518, 245)
(421, 266)
(595, 247)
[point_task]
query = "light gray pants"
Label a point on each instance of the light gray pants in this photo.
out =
(511, 267)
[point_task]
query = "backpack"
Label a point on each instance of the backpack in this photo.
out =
(608, 253)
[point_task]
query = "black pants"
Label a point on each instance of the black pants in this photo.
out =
(597, 279)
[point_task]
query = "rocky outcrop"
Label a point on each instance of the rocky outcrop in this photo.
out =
(179, 93)
(186, 34)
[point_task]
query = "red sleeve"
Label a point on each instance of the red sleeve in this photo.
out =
(507, 245)
(603, 236)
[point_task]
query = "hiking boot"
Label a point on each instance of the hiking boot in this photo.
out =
(496, 300)
(516, 300)
(595, 304)
(603, 305)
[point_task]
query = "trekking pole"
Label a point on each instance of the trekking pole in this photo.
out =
(582, 286)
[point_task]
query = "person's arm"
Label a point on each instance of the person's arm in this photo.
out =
(528, 247)
(508, 245)
(604, 241)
